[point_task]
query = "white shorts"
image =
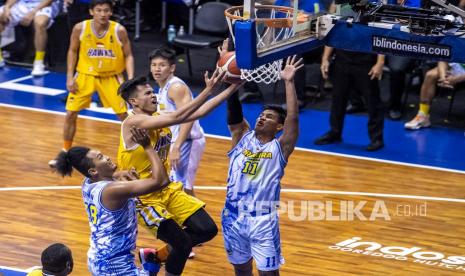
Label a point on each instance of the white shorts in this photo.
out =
(21, 8)
(248, 237)
(191, 153)
(456, 69)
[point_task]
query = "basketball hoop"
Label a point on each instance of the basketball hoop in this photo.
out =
(274, 25)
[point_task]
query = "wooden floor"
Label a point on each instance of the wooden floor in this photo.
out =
(32, 219)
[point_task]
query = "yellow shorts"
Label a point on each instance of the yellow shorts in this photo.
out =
(170, 203)
(106, 87)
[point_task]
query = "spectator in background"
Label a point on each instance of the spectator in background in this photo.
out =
(444, 75)
(398, 66)
(362, 72)
(56, 260)
(25, 12)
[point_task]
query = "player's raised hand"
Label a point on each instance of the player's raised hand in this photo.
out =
(223, 49)
(140, 136)
(291, 67)
(216, 78)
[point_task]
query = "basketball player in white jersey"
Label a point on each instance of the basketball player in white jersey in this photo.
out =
(188, 141)
(110, 204)
(257, 161)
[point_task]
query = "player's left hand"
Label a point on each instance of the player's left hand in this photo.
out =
(376, 71)
(174, 157)
(291, 67)
(27, 19)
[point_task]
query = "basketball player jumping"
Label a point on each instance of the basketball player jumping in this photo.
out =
(165, 212)
(110, 204)
(257, 161)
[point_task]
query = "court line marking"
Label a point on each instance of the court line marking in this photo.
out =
(305, 191)
(229, 138)
(14, 85)
(13, 268)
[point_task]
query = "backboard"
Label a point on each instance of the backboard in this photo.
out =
(265, 33)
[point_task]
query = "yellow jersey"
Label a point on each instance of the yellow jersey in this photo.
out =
(100, 56)
(135, 156)
(35, 272)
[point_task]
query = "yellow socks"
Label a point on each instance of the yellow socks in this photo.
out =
(40, 55)
(424, 108)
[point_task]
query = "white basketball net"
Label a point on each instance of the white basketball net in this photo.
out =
(266, 73)
(266, 36)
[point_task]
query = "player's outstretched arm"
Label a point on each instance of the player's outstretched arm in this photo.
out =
(181, 114)
(291, 123)
(214, 102)
(114, 196)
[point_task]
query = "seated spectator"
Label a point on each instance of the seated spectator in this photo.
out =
(25, 12)
(444, 75)
(56, 260)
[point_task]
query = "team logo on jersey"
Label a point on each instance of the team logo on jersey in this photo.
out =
(100, 52)
(257, 155)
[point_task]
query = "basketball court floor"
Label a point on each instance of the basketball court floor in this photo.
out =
(345, 211)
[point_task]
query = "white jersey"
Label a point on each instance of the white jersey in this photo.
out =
(113, 233)
(254, 179)
(166, 104)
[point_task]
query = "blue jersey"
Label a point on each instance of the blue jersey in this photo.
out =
(113, 233)
(255, 172)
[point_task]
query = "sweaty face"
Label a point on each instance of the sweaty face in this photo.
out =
(145, 99)
(101, 13)
(161, 69)
(103, 164)
(268, 122)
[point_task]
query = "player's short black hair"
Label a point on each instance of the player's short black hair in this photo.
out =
(94, 3)
(75, 157)
(57, 259)
(127, 88)
(165, 53)
(282, 113)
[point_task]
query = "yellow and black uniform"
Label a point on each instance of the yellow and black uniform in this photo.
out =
(169, 203)
(100, 65)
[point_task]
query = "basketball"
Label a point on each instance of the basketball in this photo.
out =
(228, 63)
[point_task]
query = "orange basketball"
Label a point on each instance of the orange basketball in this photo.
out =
(228, 63)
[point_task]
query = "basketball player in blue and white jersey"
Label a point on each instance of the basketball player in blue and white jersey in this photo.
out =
(188, 138)
(257, 161)
(110, 204)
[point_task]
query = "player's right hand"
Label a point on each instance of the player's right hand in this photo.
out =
(71, 85)
(223, 49)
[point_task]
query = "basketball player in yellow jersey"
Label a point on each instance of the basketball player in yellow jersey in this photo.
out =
(165, 212)
(98, 54)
